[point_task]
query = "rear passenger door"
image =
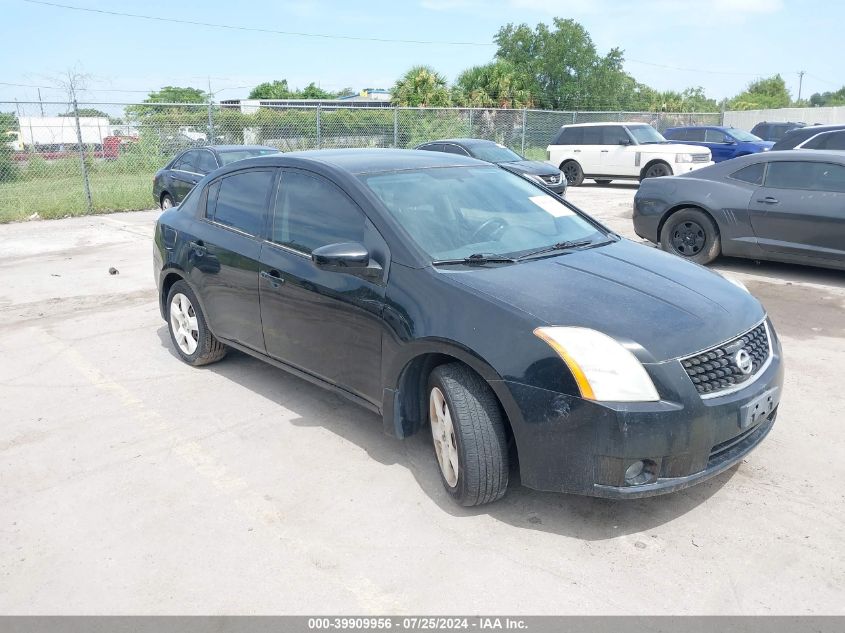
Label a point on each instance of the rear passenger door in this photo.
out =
(327, 324)
(800, 209)
(184, 175)
(590, 153)
(223, 254)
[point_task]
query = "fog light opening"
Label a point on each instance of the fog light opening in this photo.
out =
(640, 472)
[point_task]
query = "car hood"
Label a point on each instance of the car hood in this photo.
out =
(533, 167)
(760, 144)
(671, 146)
(634, 293)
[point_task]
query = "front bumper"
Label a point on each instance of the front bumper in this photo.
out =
(568, 444)
(685, 168)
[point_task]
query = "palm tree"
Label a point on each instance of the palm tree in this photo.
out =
(421, 86)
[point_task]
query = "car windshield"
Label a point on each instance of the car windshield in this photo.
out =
(742, 135)
(455, 212)
(232, 156)
(494, 153)
(646, 134)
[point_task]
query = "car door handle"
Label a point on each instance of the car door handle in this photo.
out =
(273, 276)
(576, 151)
(768, 200)
(604, 151)
(198, 247)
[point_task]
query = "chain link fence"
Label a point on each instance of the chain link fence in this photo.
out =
(61, 159)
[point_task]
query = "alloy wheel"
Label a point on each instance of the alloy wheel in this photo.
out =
(183, 323)
(443, 434)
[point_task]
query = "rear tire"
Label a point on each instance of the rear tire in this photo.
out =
(167, 202)
(189, 332)
(691, 234)
(468, 435)
(573, 172)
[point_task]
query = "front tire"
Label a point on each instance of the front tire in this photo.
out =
(468, 435)
(691, 234)
(189, 331)
(656, 170)
(573, 172)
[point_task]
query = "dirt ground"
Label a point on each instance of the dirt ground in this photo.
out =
(131, 483)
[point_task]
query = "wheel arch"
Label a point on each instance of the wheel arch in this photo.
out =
(405, 407)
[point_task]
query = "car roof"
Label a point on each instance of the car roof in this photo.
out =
(237, 148)
(701, 127)
(593, 123)
(466, 142)
(368, 160)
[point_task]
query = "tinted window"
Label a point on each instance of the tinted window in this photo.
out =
(454, 149)
(806, 175)
(205, 162)
(593, 135)
(831, 140)
(188, 162)
(433, 147)
(242, 200)
(715, 136)
(615, 135)
(752, 174)
(211, 200)
(675, 135)
(695, 135)
(312, 212)
(570, 136)
(231, 156)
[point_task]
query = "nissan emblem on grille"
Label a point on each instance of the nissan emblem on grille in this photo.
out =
(729, 365)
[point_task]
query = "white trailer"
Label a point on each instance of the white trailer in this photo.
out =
(61, 130)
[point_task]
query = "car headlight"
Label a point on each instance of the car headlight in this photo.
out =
(683, 158)
(766, 149)
(603, 369)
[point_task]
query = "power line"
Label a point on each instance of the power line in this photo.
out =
(252, 29)
(695, 70)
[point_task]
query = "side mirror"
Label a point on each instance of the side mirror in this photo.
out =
(624, 141)
(346, 257)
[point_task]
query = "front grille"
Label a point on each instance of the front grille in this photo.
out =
(716, 369)
(551, 180)
(701, 158)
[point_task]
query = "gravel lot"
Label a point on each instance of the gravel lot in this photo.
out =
(132, 483)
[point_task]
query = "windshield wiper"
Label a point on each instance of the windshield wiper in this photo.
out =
(560, 246)
(477, 259)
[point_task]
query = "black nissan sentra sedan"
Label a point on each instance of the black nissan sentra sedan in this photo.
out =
(443, 292)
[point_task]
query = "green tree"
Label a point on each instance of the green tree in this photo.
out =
(836, 98)
(276, 89)
(421, 86)
(498, 84)
(565, 69)
(169, 95)
(312, 91)
(762, 94)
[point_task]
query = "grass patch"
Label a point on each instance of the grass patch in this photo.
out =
(59, 197)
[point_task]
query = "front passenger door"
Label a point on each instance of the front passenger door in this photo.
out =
(327, 324)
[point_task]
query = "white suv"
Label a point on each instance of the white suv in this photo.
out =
(610, 151)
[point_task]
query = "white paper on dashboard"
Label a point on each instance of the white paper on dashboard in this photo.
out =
(552, 206)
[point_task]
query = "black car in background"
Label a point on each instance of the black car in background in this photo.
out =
(488, 151)
(173, 182)
(774, 131)
(444, 292)
(813, 137)
(786, 206)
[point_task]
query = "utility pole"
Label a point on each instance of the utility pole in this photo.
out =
(85, 182)
(801, 74)
(40, 103)
(210, 135)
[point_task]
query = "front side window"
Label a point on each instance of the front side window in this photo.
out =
(451, 148)
(829, 140)
(455, 212)
(311, 212)
(242, 200)
(645, 134)
(616, 135)
(806, 175)
(753, 174)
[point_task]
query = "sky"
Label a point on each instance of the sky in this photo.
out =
(720, 45)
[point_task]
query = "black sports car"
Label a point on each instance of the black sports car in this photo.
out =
(440, 291)
(488, 151)
(785, 206)
(173, 181)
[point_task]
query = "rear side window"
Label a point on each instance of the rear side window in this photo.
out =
(594, 135)
(187, 162)
(753, 174)
(570, 136)
(242, 200)
(806, 175)
(676, 135)
(449, 148)
(830, 140)
(311, 212)
(205, 162)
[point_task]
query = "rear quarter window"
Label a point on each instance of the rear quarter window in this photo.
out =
(752, 174)
(570, 136)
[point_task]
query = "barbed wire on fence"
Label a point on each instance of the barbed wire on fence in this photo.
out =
(114, 149)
